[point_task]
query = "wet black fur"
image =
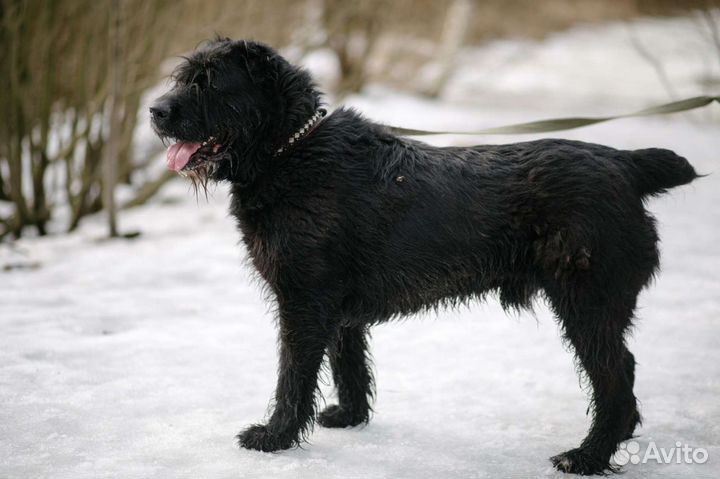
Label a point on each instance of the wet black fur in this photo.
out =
(354, 226)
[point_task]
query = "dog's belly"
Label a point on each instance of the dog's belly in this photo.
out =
(414, 272)
(386, 295)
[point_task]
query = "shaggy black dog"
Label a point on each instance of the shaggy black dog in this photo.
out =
(350, 226)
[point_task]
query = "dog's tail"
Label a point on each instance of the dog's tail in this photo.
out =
(656, 170)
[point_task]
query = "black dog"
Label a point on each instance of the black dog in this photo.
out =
(350, 226)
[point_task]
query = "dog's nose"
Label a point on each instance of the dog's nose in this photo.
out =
(160, 110)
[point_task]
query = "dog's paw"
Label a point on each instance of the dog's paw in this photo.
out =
(335, 416)
(581, 461)
(259, 438)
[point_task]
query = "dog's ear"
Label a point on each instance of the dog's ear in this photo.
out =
(280, 80)
(261, 62)
(257, 50)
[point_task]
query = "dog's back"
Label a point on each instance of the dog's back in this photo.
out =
(450, 224)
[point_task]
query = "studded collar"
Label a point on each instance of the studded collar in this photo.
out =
(304, 130)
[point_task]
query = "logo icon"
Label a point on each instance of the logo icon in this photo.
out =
(628, 452)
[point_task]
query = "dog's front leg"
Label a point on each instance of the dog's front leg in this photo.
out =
(305, 330)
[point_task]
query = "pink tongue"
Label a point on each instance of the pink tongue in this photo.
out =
(179, 154)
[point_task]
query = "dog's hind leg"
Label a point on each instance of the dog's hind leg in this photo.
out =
(307, 325)
(598, 340)
(352, 374)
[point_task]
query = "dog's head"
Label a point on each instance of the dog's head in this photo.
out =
(232, 104)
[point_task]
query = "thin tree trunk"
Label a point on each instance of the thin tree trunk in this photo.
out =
(15, 167)
(83, 202)
(110, 164)
(3, 195)
(40, 208)
(457, 22)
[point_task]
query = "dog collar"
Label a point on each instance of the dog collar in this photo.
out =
(309, 126)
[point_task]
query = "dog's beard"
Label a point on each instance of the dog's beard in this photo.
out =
(207, 170)
(200, 178)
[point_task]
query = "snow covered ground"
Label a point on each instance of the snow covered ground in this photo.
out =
(143, 358)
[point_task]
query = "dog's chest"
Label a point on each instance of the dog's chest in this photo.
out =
(261, 248)
(257, 235)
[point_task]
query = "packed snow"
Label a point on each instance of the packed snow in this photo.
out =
(143, 358)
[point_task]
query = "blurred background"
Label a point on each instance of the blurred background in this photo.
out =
(76, 75)
(134, 341)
